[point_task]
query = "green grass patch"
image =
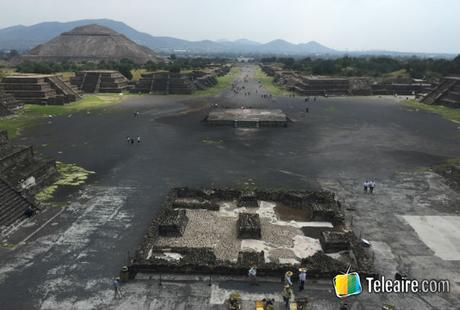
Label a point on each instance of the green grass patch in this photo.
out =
(223, 82)
(269, 85)
(31, 113)
(137, 73)
(70, 175)
(448, 113)
(398, 74)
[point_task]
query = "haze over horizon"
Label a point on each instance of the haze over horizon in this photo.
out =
(413, 26)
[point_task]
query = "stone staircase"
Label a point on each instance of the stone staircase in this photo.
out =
(447, 93)
(13, 205)
(64, 89)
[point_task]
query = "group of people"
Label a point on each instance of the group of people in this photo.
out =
(369, 186)
(131, 140)
(287, 292)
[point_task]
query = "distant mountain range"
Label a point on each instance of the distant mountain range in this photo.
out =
(27, 37)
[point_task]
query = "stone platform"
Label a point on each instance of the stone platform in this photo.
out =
(254, 118)
(272, 233)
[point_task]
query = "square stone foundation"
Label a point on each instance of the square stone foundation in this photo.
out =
(173, 224)
(249, 226)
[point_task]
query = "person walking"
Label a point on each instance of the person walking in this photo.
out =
(302, 278)
(365, 185)
(116, 288)
(253, 275)
(371, 186)
(287, 278)
(307, 110)
(138, 139)
(286, 293)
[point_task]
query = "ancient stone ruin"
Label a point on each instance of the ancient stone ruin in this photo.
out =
(8, 105)
(446, 93)
(248, 226)
(22, 168)
(204, 241)
(22, 173)
(39, 89)
(340, 86)
(252, 118)
(100, 81)
(163, 82)
(173, 223)
(91, 43)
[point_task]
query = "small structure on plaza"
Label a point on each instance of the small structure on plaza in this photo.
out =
(39, 89)
(446, 93)
(253, 118)
(100, 81)
(230, 239)
(91, 43)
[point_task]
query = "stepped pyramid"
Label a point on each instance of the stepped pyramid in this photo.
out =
(91, 43)
(39, 89)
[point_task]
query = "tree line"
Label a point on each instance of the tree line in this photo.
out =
(124, 66)
(413, 67)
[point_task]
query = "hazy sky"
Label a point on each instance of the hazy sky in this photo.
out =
(401, 25)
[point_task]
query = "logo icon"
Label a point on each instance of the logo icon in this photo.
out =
(347, 284)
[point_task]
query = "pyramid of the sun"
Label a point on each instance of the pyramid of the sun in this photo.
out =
(91, 43)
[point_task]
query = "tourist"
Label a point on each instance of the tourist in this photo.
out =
(116, 288)
(268, 303)
(302, 278)
(138, 139)
(307, 110)
(287, 278)
(371, 186)
(253, 275)
(132, 140)
(286, 293)
(366, 185)
(128, 138)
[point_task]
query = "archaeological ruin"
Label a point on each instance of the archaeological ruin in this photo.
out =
(22, 173)
(446, 93)
(340, 86)
(8, 105)
(39, 89)
(100, 81)
(228, 239)
(184, 83)
(250, 118)
(91, 43)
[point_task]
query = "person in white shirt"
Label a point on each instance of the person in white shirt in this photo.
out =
(302, 278)
(366, 185)
(253, 274)
(371, 186)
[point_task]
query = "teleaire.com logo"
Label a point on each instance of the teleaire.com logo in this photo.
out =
(349, 284)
